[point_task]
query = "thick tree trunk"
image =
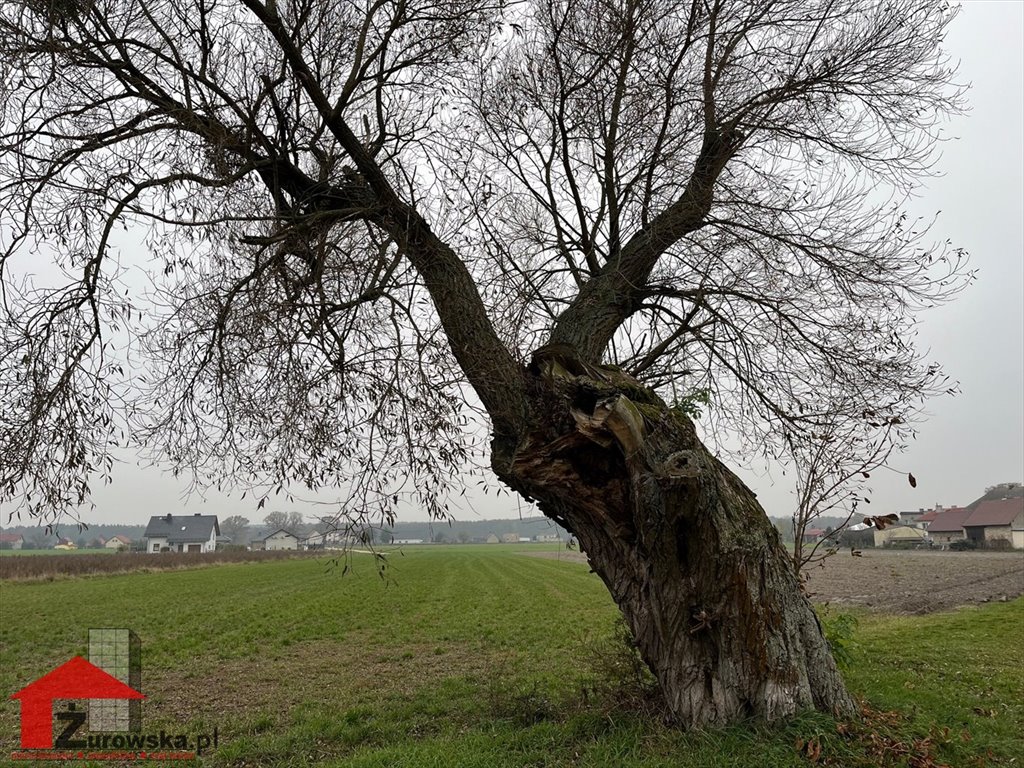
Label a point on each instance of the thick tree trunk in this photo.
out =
(687, 552)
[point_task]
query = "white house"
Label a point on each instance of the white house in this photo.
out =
(182, 533)
(281, 539)
(314, 540)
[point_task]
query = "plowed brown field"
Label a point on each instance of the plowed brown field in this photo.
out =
(900, 581)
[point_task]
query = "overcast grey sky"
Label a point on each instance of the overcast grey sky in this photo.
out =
(970, 441)
(977, 438)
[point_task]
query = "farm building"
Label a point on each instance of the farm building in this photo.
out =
(118, 542)
(510, 538)
(997, 520)
(921, 517)
(814, 534)
(12, 540)
(948, 526)
(492, 539)
(901, 535)
(281, 539)
(182, 533)
(314, 540)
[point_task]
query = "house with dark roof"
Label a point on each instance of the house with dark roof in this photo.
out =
(948, 526)
(182, 533)
(997, 521)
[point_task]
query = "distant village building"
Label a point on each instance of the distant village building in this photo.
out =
(280, 539)
(900, 535)
(492, 539)
(510, 538)
(314, 540)
(990, 521)
(118, 542)
(547, 537)
(948, 526)
(919, 518)
(182, 533)
(407, 541)
(12, 540)
(997, 521)
(812, 535)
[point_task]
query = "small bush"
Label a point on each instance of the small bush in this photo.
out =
(839, 629)
(53, 566)
(962, 545)
(999, 545)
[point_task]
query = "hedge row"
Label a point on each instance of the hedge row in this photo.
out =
(57, 566)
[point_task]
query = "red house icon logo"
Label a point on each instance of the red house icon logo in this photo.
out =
(75, 679)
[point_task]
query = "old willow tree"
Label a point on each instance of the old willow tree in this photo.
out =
(363, 220)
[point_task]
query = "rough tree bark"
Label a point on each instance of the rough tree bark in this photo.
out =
(685, 549)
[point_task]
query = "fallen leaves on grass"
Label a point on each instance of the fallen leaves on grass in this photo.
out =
(878, 738)
(809, 748)
(878, 733)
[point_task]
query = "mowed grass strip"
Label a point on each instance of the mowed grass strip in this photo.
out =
(470, 656)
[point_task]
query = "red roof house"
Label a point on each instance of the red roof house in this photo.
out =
(12, 540)
(948, 525)
(813, 534)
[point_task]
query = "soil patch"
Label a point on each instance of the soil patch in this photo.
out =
(904, 582)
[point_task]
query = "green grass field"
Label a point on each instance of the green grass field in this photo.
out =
(480, 656)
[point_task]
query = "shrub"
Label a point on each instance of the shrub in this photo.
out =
(962, 545)
(52, 566)
(839, 629)
(999, 545)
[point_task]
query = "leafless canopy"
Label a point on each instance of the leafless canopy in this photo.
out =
(352, 213)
